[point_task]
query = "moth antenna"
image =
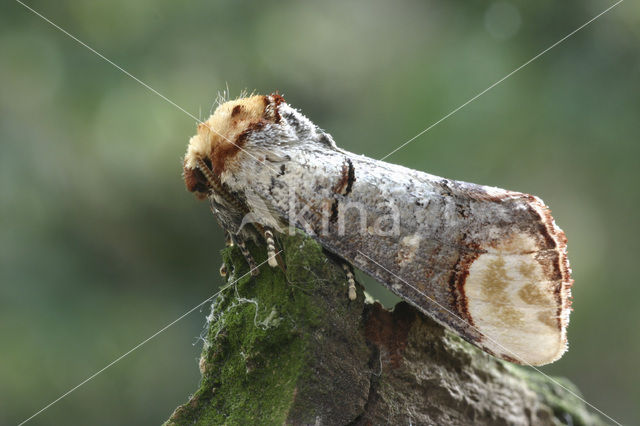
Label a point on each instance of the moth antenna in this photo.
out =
(271, 248)
(216, 185)
(350, 280)
(208, 174)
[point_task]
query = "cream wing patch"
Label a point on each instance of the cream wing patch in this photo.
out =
(513, 304)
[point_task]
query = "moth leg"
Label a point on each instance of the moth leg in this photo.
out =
(253, 266)
(351, 281)
(228, 239)
(228, 242)
(271, 248)
(273, 257)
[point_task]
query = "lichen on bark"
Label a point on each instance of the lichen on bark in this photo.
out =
(289, 347)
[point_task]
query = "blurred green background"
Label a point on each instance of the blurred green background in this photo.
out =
(101, 245)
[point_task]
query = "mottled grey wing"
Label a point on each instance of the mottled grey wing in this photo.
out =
(485, 262)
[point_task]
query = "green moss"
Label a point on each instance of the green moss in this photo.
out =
(259, 338)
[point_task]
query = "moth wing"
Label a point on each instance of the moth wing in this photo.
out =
(488, 263)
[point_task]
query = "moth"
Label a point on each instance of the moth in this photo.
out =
(488, 263)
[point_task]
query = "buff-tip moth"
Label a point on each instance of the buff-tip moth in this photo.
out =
(487, 263)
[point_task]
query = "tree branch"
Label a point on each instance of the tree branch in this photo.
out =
(290, 348)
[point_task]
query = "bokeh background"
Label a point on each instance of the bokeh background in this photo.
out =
(101, 245)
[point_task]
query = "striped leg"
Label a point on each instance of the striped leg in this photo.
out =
(228, 241)
(271, 248)
(351, 281)
(253, 266)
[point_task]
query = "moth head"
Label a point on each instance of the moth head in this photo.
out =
(220, 138)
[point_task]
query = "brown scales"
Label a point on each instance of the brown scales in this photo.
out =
(389, 330)
(460, 274)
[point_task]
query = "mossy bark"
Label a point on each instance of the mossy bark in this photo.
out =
(290, 348)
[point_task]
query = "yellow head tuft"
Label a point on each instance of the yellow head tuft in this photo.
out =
(224, 134)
